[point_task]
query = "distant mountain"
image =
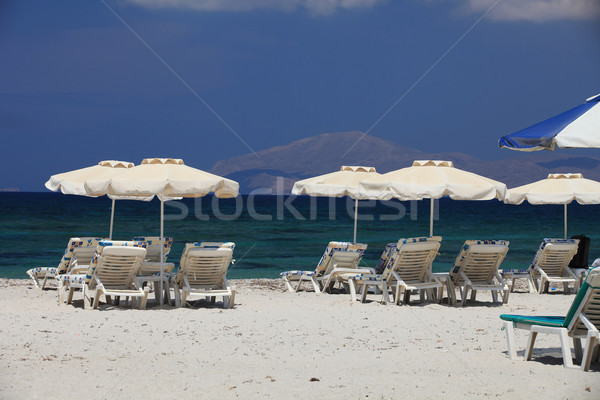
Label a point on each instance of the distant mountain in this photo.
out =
(276, 169)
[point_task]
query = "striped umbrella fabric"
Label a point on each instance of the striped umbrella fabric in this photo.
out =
(576, 128)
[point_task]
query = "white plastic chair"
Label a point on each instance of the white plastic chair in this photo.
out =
(581, 322)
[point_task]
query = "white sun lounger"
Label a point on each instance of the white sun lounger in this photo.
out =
(78, 254)
(581, 322)
(152, 263)
(111, 273)
(551, 265)
(203, 271)
(338, 260)
(409, 268)
(476, 268)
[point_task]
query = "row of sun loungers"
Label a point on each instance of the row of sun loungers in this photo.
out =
(116, 269)
(405, 268)
(97, 267)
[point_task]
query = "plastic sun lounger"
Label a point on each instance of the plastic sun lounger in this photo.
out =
(582, 321)
(408, 268)
(149, 273)
(111, 273)
(151, 264)
(476, 268)
(203, 271)
(551, 264)
(338, 260)
(78, 254)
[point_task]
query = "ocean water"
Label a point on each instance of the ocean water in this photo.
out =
(275, 234)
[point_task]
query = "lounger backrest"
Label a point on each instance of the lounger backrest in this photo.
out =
(209, 245)
(587, 301)
(83, 255)
(554, 255)
(205, 267)
(479, 260)
(325, 264)
(153, 247)
(118, 265)
(100, 249)
(76, 244)
(345, 259)
(413, 258)
(385, 257)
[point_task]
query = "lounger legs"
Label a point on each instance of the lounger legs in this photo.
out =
(34, 279)
(365, 289)
(592, 350)
(293, 289)
(564, 341)
(510, 340)
(289, 285)
(353, 290)
(505, 296)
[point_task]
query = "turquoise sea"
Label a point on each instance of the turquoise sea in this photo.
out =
(274, 234)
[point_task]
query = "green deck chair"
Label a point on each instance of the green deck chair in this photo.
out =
(582, 321)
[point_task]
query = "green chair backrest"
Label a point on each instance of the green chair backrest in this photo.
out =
(587, 301)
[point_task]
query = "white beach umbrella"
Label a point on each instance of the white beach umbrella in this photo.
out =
(431, 179)
(336, 184)
(557, 189)
(167, 178)
(73, 182)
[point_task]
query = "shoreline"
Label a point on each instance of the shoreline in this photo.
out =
(277, 344)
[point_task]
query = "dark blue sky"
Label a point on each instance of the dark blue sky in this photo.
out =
(77, 86)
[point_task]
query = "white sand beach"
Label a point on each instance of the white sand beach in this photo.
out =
(276, 344)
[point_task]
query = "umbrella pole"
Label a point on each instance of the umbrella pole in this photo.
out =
(565, 221)
(162, 247)
(112, 218)
(355, 217)
(431, 218)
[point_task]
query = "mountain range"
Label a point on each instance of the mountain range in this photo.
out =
(275, 170)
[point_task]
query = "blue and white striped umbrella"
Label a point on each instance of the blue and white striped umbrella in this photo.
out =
(576, 128)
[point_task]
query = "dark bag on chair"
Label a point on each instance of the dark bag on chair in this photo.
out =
(580, 260)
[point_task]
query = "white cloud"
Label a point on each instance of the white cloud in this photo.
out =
(534, 10)
(315, 7)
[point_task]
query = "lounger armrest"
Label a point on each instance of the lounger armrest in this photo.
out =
(588, 324)
(397, 277)
(186, 283)
(500, 279)
(99, 284)
(540, 271)
(571, 273)
(78, 270)
(465, 278)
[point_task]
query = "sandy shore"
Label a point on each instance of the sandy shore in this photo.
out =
(276, 345)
